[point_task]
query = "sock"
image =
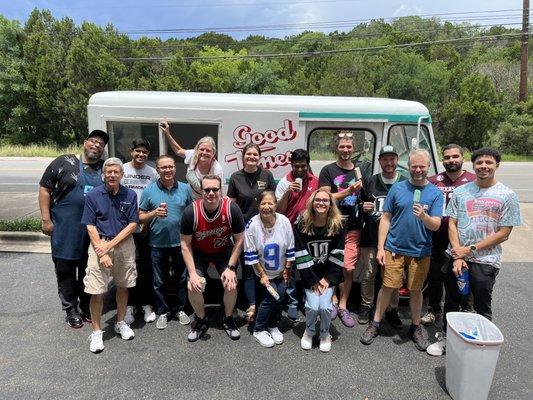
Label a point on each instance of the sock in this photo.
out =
(375, 324)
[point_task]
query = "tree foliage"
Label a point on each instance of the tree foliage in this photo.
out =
(50, 67)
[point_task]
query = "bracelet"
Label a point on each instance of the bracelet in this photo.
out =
(232, 267)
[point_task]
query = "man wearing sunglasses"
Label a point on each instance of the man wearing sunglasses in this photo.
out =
(162, 205)
(340, 179)
(212, 232)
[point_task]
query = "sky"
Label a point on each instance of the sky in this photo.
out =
(190, 16)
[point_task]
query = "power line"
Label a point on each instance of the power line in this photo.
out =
(479, 15)
(324, 52)
(293, 40)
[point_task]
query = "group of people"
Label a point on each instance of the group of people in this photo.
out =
(138, 224)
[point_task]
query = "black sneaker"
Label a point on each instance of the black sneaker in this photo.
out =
(418, 338)
(231, 328)
(392, 317)
(74, 319)
(364, 315)
(369, 334)
(199, 328)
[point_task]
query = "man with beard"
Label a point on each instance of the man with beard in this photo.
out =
(448, 181)
(412, 210)
(482, 215)
(339, 179)
(373, 194)
(292, 193)
(62, 191)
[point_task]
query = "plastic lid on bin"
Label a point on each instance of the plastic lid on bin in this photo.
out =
(474, 328)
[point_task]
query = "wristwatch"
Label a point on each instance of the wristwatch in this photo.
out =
(473, 248)
(232, 267)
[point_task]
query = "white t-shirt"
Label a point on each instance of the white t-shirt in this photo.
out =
(270, 246)
(194, 176)
(138, 179)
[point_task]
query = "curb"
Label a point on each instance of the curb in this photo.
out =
(24, 242)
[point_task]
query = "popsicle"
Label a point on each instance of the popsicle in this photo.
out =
(416, 196)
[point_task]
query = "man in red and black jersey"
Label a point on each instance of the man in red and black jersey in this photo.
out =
(212, 231)
(447, 181)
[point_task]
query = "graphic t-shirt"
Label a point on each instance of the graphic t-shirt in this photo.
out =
(375, 189)
(339, 179)
(272, 247)
(479, 213)
(408, 235)
(447, 186)
(138, 179)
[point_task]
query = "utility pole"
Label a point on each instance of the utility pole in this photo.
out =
(523, 52)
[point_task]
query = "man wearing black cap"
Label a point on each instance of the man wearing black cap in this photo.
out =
(137, 176)
(372, 197)
(62, 191)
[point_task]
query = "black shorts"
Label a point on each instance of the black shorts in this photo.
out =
(202, 261)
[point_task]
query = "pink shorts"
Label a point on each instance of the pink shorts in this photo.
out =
(351, 249)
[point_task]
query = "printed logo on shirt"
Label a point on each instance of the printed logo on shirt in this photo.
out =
(87, 189)
(261, 185)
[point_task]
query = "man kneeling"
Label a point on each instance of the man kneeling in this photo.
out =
(111, 216)
(207, 228)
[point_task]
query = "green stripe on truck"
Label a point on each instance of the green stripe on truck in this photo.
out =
(386, 117)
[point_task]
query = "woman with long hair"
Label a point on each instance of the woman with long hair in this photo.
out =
(319, 245)
(200, 161)
(269, 249)
(244, 188)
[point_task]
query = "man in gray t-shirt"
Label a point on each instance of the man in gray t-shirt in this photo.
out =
(137, 176)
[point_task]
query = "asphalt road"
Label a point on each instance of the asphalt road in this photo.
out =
(21, 175)
(41, 358)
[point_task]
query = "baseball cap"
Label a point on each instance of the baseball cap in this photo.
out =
(388, 149)
(101, 134)
(141, 142)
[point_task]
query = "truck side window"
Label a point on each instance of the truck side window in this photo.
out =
(322, 149)
(401, 137)
(121, 134)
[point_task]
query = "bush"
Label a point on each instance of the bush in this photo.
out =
(515, 134)
(21, 225)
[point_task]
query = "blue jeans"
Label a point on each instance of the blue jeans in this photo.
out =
(163, 258)
(316, 305)
(292, 300)
(269, 313)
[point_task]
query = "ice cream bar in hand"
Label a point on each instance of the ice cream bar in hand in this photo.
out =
(273, 292)
(416, 196)
(358, 175)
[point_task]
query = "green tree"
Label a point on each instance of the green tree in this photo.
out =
(515, 134)
(470, 117)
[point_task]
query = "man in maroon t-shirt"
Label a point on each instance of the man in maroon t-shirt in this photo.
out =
(453, 177)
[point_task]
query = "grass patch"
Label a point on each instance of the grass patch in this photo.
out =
(21, 225)
(36, 150)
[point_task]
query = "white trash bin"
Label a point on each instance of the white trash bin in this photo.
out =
(472, 348)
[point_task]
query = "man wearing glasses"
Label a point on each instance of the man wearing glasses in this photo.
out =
(62, 191)
(212, 232)
(340, 179)
(162, 205)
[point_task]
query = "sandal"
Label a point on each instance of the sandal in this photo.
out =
(250, 313)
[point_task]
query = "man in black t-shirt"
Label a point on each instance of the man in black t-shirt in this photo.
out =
(373, 194)
(62, 191)
(340, 179)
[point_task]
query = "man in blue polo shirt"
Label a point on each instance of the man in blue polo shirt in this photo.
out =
(162, 204)
(111, 217)
(412, 210)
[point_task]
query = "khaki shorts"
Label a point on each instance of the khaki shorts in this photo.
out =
(395, 264)
(351, 249)
(123, 271)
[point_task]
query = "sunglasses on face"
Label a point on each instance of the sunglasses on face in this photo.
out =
(345, 135)
(209, 190)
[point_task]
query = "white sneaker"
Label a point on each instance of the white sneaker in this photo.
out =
(264, 338)
(439, 347)
(129, 318)
(97, 341)
(183, 318)
(124, 330)
(149, 314)
(162, 322)
(325, 344)
(276, 335)
(307, 341)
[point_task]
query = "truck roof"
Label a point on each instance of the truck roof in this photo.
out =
(308, 107)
